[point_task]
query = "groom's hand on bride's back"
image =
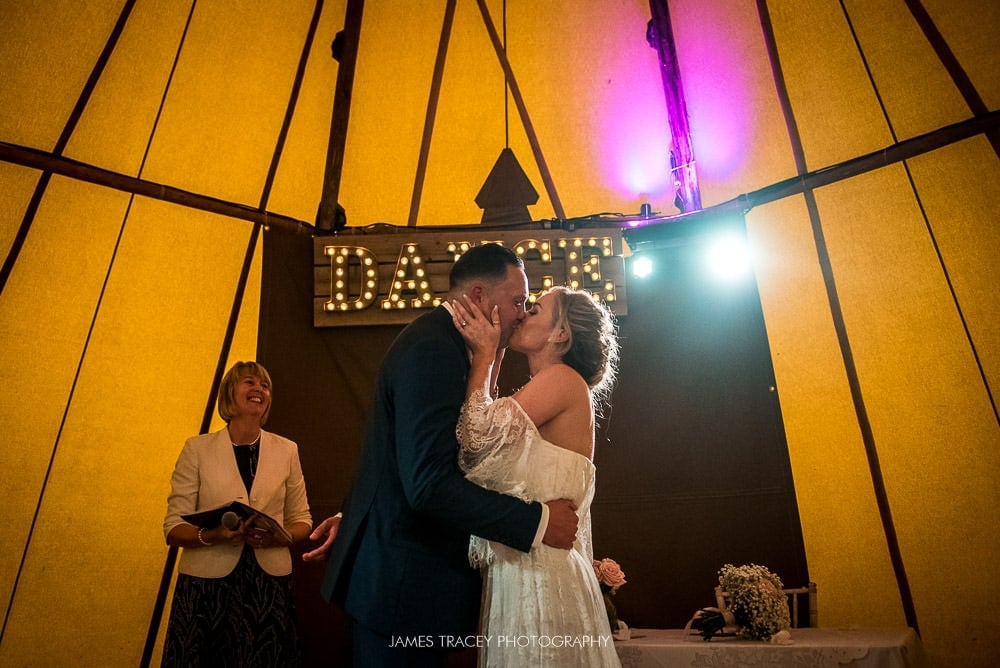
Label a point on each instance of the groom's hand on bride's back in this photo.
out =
(561, 530)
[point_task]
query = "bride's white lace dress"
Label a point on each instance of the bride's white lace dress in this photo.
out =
(543, 608)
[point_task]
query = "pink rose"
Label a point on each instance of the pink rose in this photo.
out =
(609, 573)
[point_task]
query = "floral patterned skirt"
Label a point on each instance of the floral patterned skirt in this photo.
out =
(244, 619)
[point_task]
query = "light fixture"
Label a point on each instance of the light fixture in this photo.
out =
(642, 266)
(728, 258)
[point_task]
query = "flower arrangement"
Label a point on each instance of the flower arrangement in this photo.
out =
(610, 577)
(756, 599)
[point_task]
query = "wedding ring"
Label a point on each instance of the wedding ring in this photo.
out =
(465, 324)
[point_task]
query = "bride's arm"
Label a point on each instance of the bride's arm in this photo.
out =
(485, 427)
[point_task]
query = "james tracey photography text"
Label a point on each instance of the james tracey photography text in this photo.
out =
(461, 642)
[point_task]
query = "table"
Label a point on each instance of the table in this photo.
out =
(833, 647)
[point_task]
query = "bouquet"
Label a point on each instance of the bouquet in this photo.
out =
(610, 577)
(756, 600)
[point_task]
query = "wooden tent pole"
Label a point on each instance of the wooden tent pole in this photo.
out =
(687, 194)
(55, 164)
(346, 53)
(796, 185)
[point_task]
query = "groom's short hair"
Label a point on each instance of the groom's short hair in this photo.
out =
(484, 262)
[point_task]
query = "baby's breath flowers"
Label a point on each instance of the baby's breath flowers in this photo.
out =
(756, 600)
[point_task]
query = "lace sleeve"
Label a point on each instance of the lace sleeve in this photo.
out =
(494, 437)
(487, 428)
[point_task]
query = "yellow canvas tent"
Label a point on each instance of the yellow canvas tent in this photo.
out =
(145, 147)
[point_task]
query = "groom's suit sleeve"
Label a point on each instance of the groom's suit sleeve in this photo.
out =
(428, 394)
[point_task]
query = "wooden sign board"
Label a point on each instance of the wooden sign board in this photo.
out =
(389, 278)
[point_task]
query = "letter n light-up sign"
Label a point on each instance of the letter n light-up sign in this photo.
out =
(390, 278)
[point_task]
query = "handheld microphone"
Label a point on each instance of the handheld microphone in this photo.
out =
(230, 520)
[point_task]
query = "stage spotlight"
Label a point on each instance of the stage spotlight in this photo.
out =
(728, 258)
(642, 266)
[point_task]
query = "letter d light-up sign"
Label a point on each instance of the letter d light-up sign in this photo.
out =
(390, 278)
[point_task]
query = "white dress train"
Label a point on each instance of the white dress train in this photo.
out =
(544, 607)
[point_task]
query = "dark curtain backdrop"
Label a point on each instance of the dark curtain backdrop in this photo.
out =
(693, 468)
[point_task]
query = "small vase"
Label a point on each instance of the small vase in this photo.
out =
(612, 612)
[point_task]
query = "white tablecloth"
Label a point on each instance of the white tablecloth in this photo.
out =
(881, 648)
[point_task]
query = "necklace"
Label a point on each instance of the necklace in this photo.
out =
(249, 454)
(253, 442)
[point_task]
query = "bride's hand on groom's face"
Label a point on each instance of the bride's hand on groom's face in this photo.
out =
(481, 334)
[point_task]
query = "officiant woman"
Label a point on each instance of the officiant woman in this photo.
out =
(233, 603)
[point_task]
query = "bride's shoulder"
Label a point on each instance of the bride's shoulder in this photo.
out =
(556, 381)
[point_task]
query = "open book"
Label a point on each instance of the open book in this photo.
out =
(211, 518)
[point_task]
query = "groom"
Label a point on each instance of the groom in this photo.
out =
(399, 566)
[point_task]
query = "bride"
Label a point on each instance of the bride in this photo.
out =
(544, 607)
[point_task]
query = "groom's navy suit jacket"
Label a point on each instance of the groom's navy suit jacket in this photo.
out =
(399, 564)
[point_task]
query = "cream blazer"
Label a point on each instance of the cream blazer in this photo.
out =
(206, 476)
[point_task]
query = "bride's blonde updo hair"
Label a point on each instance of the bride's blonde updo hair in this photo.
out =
(591, 347)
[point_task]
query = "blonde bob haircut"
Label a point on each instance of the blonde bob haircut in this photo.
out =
(227, 389)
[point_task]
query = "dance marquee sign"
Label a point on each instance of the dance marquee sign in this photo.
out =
(390, 278)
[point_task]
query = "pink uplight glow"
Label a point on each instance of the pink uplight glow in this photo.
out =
(634, 140)
(642, 163)
(713, 69)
